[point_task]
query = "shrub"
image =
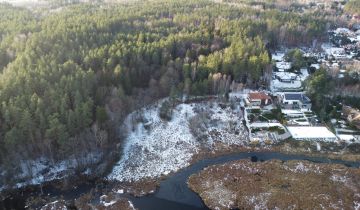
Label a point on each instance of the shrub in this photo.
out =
(165, 111)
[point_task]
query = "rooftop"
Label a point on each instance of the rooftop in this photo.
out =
(259, 96)
(286, 75)
(277, 85)
(296, 97)
(283, 65)
(307, 132)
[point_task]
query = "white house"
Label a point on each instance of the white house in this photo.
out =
(285, 76)
(295, 101)
(283, 66)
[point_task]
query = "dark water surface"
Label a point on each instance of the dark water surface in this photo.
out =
(173, 193)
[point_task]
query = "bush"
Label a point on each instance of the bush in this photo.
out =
(198, 126)
(166, 111)
(255, 111)
(269, 116)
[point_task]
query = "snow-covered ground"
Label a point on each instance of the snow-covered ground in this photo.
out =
(165, 147)
(56, 205)
(26, 3)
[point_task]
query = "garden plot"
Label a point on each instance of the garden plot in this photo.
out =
(265, 126)
(156, 147)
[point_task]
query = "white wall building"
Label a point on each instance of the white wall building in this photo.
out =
(295, 101)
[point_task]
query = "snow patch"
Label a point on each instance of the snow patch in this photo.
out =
(121, 191)
(337, 178)
(303, 168)
(258, 201)
(165, 148)
(244, 167)
(56, 205)
(162, 147)
(221, 193)
(131, 205)
(318, 146)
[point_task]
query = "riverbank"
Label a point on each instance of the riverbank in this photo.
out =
(149, 186)
(175, 189)
(171, 191)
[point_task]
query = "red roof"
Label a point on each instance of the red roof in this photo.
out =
(258, 96)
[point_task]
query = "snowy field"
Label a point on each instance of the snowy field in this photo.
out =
(156, 147)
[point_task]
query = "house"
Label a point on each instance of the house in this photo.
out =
(285, 81)
(285, 76)
(283, 66)
(295, 101)
(278, 56)
(335, 52)
(258, 99)
(278, 86)
(309, 133)
(338, 53)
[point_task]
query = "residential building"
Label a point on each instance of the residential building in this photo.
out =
(285, 76)
(295, 101)
(258, 99)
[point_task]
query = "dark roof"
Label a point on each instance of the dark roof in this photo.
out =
(296, 97)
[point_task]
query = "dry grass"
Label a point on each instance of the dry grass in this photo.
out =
(267, 185)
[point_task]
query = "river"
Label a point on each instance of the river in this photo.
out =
(173, 192)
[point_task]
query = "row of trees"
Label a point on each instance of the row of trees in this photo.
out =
(328, 91)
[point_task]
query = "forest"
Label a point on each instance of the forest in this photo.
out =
(68, 78)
